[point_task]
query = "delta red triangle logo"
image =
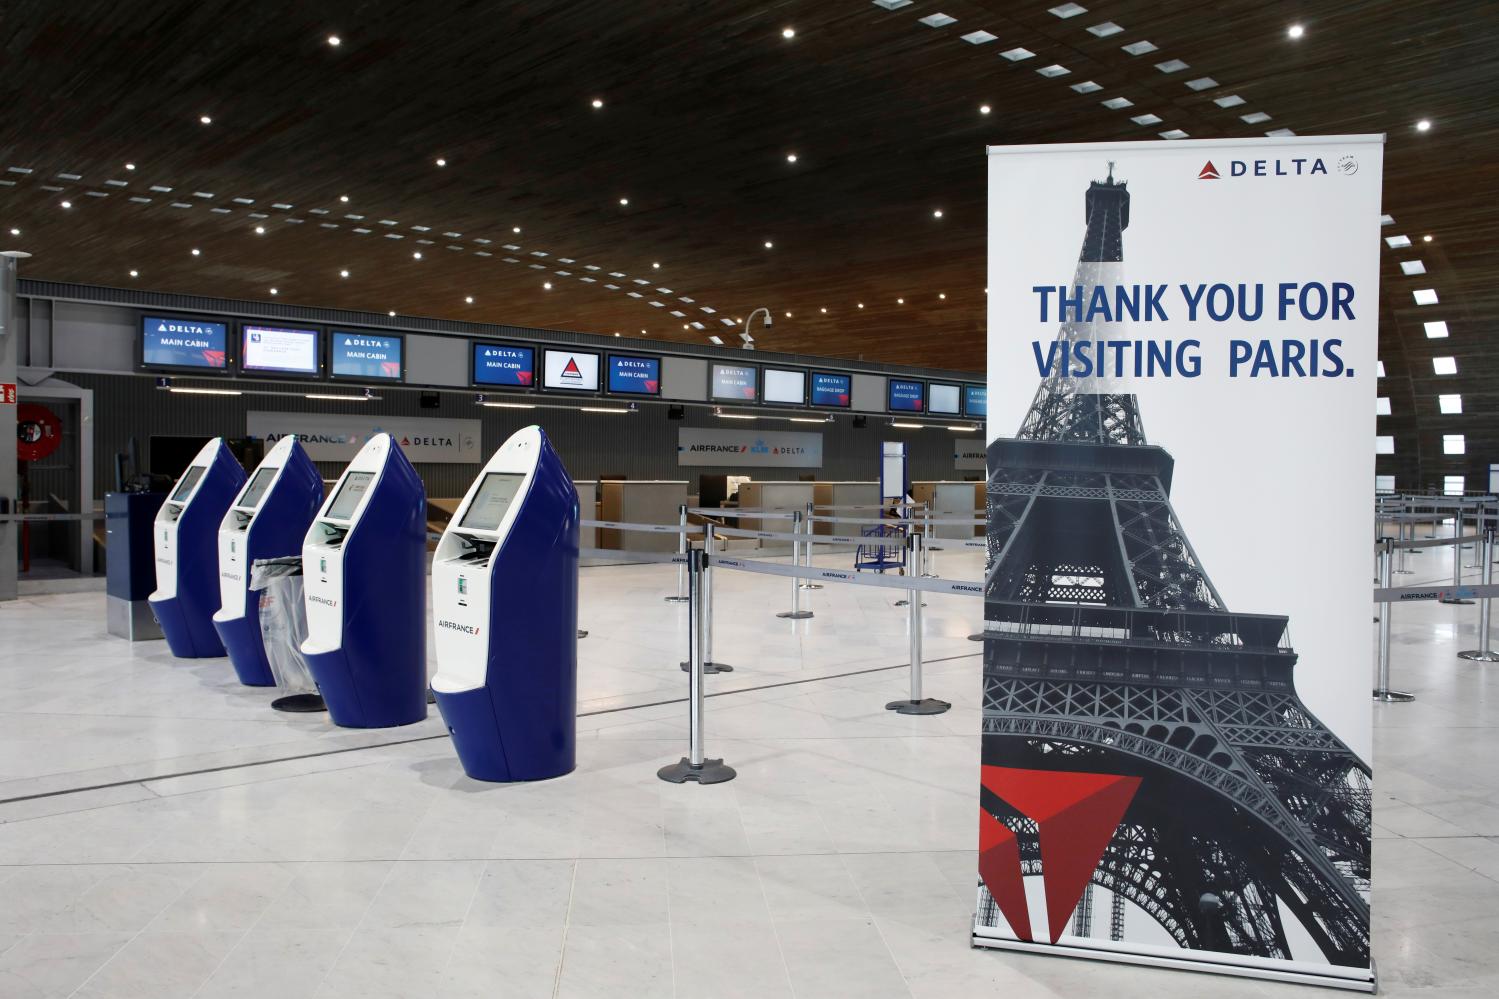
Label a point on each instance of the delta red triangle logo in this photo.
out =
(1208, 172)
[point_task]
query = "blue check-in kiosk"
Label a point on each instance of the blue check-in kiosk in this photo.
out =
(185, 540)
(505, 602)
(268, 519)
(364, 568)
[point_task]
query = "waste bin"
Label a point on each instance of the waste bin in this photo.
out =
(283, 628)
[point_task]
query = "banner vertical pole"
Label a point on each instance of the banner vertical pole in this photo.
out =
(682, 549)
(696, 766)
(916, 704)
(1484, 653)
(807, 584)
(1383, 691)
(796, 613)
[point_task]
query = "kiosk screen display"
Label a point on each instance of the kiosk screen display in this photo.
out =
(281, 350)
(785, 386)
(494, 497)
(944, 399)
(185, 486)
(571, 370)
(168, 342)
(346, 500)
(906, 397)
(369, 356)
(975, 400)
(733, 381)
(255, 491)
(501, 364)
(634, 375)
(831, 390)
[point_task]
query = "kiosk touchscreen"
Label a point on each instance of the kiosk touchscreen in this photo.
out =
(364, 567)
(505, 602)
(187, 564)
(268, 519)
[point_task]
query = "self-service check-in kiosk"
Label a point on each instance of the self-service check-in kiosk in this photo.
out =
(505, 601)
(268, 519)
(364, 564)
(187, 565)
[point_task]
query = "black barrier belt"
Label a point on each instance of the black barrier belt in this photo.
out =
(444, 735)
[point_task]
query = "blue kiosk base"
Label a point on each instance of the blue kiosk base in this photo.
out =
(480, 743)
(185, 640)
(241, 637)
(335, 681)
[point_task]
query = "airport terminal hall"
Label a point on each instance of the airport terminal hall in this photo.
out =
(807, 499)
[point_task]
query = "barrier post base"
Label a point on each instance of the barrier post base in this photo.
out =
(1480, 656)
(712, 668)
(925, 706)
(675, 600)
(710, 772)
(811, 586)
(800, 615)
(300, 703)
(1392, 696)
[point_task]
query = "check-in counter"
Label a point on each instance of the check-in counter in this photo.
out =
(588, 509)
(773, 496)
(951, 499)
(826, 494)
(635, 501)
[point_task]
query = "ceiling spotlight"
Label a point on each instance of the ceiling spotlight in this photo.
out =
(260, 230)
(624, 201)
(135, 273)
(861, 305)
(197, 252)
(417, 255)
(515, 229)
(616, 332)
(788, 315)
(343, 273)
(344, 198)
(546, 286)
(942, 294)
(790, 157)
(335, 41)
(598, 102)
(205, 119)
(441, 162)
(1424, 125)
(392, 312)
(15, 232)
(1295, 31)
(900, 301)
(129, 166)
(984, 109)
(642, 332)
(937, 213)
(469, 299)
(769, 244)
(1424, 239)
(788, 32)
(274, 292)
(655, 265)
(67, 204)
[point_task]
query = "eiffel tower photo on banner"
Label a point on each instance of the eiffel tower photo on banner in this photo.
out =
(1175, 407)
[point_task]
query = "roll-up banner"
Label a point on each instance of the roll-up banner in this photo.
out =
(1182, 355)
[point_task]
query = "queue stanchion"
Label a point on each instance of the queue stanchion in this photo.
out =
(1400, 534)
(709, 666)
(1383, 691)
(682, 549)
(695, 766)
(916, 704)
(1477, 546)
(929, 558)
(807, 584)
(1457, 561)
(795, 613)
(1484, 654)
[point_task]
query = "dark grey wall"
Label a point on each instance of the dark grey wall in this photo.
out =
(640, 446)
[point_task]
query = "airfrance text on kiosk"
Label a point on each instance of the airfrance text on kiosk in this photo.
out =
(364, 565)
(187, 565)
(505, 602)
(269, 519)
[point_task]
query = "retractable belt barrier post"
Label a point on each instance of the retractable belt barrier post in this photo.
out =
(916, 704)
(1383, 691)
(807, 584)
(709, 666)
(682, 546)
(1484, 654)
(695, 766)
(929, 558)
(1457, 560)
(796, 613)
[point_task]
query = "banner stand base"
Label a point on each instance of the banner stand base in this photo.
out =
(925, 706)
(1207, 966)
(711, 667)
(795, 615)
(1480, 656)
(1392, 696)
(709, 772)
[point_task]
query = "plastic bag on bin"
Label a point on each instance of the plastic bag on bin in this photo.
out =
(283, 621)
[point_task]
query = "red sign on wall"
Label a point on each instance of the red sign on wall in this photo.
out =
(7, 393)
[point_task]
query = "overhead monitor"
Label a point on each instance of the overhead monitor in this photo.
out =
(944, 399)
(184, 490)
(906, 396)
(975, 400)
(494, 497)
(350, 492)
(255, 491)
(279, 350)
(505, 365)
(570, 370)
(634, 375)
(786, 386)
(734, 382)
(831, 390)
(366, 356)
(177, 343)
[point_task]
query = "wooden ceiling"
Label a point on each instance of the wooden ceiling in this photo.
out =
(702, 104)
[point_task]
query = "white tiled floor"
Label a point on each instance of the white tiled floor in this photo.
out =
(840, 863)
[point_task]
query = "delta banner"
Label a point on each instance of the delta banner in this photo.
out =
(333, 437)
(1182, 362)
(749, 448)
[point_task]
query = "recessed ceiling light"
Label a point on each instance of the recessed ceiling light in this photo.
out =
(788, 32)
(416, 255)
(616, 332)
(1295, 31)
(984, 109)
(15, 232)
(335, 41)
(546, 285)
(392, 312)
(469, 299)
(197, 252)
(936, 213)
(788, 315)
(655, 265)
(900, 301)
(67, 204)
(205, 119)
(274, 292)
(624, 201)
(790, 157)
(441, 162)
(598, 102)
(343, 273)
(768, 244)
(861, 305)
(344, 198)
(515, 229)
(824, 311)
(129, 166)
(135, 273)
(942, 294)
(1424, 125)
(715, 340)
(260, 230)
(1426, 239)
